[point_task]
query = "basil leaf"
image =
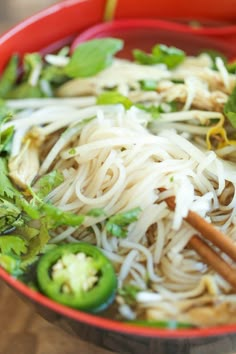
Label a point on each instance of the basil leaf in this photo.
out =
(9, 76)
(170, 56)
(231, 67)
(117, 224)
(230, 108)
(161, 53)
(113, 97)
(93, 56)
(144, 58)
(25, 90)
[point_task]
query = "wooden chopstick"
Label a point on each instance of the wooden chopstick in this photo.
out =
(213, 259)
(219, 239)
(207, 230)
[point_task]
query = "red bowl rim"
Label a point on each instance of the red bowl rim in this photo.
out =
(112, 325)
(95, 320)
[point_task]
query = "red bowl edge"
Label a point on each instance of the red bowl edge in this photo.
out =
(107, 324)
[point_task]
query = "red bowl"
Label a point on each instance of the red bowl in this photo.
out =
(48, 31)
(144, 33)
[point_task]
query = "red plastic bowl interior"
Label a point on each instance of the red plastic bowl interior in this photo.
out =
(144, 33)
(59, 24)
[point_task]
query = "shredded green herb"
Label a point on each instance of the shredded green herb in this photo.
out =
(117, 224)
(160, 53)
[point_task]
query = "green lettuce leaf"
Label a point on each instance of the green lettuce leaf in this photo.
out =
(93, 56)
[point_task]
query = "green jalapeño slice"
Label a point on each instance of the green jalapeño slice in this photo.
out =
(77, 275)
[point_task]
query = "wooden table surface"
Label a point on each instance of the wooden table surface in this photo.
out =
(23, 331)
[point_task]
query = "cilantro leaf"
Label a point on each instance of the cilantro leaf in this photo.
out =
(96, 212)
(36, 244)
(57, 217)
(148, 85)
(114, 97)
(5, 113)
(156, 111)
(11, 264)
(6, 187)
(117, 224)
(129, 292)
(160, 53)
(10, 215)
(48, 182)
(53, 215)
(12, 244)
(6, 140)
(93, 56)
(230, 108)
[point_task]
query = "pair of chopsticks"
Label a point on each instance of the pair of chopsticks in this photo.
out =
(216, 237)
